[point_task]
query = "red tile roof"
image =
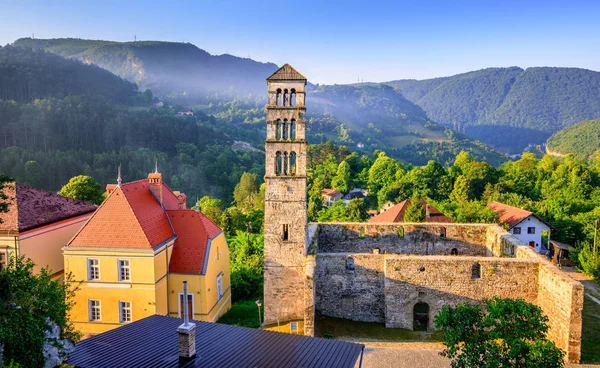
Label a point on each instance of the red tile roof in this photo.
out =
(512, 215)
(396, 213)
(30, 208)
(330, 192)
(129, 218)
(194, 230)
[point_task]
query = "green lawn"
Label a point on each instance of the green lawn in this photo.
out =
(343, 328)
(590, 340)
(242, 313)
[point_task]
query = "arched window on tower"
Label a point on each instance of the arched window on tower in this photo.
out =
(293, 129)
(293, 97)
(278, 163)
(285, 164)
(285, 135)
(278, 97)
(293, 163)
(286, 98)
(278, 129)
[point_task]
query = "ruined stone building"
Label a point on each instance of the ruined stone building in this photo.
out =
(399, 274)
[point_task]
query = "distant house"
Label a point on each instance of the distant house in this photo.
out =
(524, 225)
(386, 206)
(396, 213)
(560, 253)
(38, 224)
(352, 195)
(185, 113)
(360, 145)
(330, 196)
(158, 104)
(372, 213)
(161, 341)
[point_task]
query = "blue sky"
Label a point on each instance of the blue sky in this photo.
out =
(339, 41)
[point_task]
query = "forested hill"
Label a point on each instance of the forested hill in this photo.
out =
(167, 68)
(27, 75)
(509, 108)
(581, 140)
(382, 119)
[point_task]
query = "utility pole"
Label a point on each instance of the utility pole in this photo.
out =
(595, 236)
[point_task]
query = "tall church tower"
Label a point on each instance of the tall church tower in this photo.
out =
(285, 197)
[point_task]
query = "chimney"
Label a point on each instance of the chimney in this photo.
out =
(182, 201)
(187, 333)
(427, 213)
(155, 180)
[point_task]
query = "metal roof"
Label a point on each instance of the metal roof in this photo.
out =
(153, 342)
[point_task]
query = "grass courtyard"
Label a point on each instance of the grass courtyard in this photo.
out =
(243, 313)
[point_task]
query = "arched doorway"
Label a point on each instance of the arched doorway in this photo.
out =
(421, 317)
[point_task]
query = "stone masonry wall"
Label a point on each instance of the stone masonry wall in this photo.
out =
(561, 299)
(405, 238)
(440, 281)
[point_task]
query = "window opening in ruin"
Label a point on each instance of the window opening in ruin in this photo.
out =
(285, 98)
(422, 269)
(350, 264)
(293, 97)
(421, 294)
(476, 271)
(286, 232)
(443, 232)
(278, 129)
(293, 163)
(278, 97)
(421, 317)
(284, 135)
(454, 252)
(376, 251)
(293, 129)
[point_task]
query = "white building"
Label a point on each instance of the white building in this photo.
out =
(526, 226)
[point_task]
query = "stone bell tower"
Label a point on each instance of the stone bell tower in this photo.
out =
(285, 197)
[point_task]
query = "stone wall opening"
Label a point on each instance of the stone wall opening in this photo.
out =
(421, 317)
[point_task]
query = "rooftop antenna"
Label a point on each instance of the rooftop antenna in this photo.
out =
(119, 181)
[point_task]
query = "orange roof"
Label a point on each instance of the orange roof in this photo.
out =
(30, 208)
(512, 215)
(194, 230)
(396, 213)
(330, 192)
(129, 218)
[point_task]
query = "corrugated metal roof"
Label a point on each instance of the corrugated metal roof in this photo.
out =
(153, 342)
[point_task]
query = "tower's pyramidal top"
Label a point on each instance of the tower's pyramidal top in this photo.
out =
(286, 72)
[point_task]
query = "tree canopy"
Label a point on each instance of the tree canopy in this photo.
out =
(84, 188)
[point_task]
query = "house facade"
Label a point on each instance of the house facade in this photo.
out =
(526, 226)
(134, 253)
(330, 196)
(38, 224)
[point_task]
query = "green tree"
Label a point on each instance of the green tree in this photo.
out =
(415, 212)
(461, 189)
(355, 211)
(31, 302)
(246, 261)
(33, 173)
(211, 207)
(382, 173)
(497, 333)
(246, 191)
(84, 188)
(342, 179)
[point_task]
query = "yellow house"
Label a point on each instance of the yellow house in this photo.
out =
(38, 224)
(134, 253)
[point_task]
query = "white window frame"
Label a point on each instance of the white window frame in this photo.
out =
(531, 230)
(91, 310)
(123, 308)
(294, 327)
(517, 232)
(220, 285)
(123, 267)
(3, 259)
(179, 310)
(97, 266)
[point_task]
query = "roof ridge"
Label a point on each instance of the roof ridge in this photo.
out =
(137, 220)
(286, 72)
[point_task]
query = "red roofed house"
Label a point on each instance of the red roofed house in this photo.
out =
(330, 196)
(524, 225)
(396, 213)
(38, 224)
(134, 253)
